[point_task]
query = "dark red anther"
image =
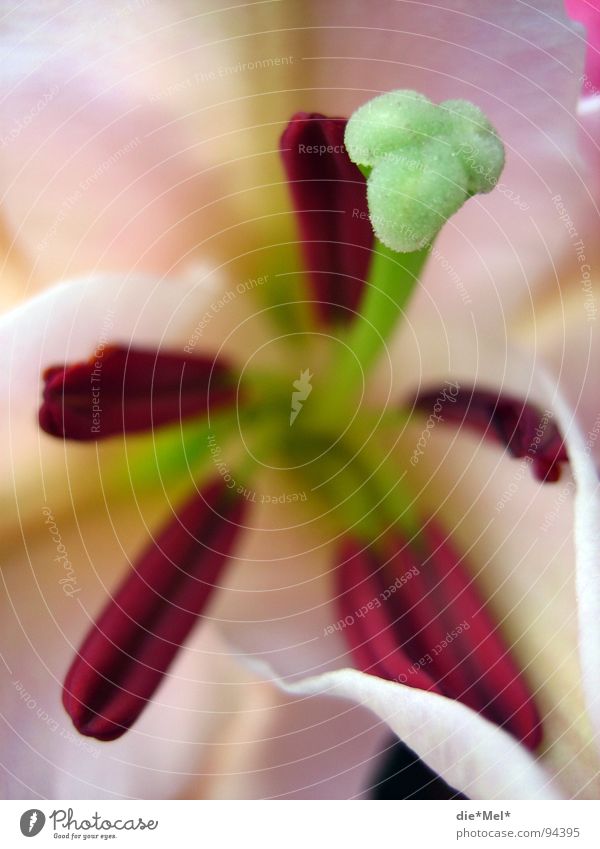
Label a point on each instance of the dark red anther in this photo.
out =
(128, 651)
(330, 197)
(127, 390)
(524, 429)
(416, 617)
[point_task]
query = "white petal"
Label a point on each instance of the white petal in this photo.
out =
(587, 546)
(68, 322)
(466, 750)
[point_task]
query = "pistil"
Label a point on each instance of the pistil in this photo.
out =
(422, 161)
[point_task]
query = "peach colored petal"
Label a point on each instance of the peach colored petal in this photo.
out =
(282, 746)
(43, 621)
(129, 137)
(203, 94)
(565, 336)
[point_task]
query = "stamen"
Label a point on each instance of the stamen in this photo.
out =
(523, 428)
(330, 199)
(416, 618)
(129, 650)
(127, 390)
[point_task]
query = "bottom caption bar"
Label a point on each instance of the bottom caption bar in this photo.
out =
(292, 824)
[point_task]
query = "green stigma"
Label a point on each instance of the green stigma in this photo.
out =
(423, 161)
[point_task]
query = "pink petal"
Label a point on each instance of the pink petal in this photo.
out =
(588, 14)
(135, 139)
(522, 65)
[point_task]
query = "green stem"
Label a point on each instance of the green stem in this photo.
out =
(261, 439)
(395, 500)
(391, 282)
(348, 504)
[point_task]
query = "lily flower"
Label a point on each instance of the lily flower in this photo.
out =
(354, 549)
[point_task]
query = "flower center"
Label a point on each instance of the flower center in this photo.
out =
(307, 416)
